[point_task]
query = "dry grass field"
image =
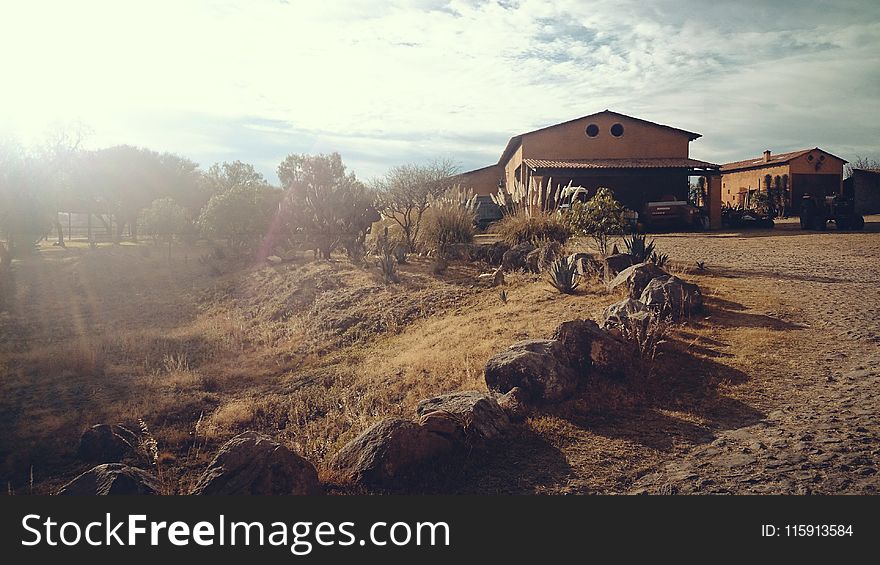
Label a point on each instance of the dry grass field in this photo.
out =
(313, 352)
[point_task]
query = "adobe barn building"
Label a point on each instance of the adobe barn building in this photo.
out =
(808, 171)
(640, 161)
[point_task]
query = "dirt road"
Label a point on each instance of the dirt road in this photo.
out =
(823, 437)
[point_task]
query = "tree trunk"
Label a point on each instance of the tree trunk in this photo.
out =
(60, 230)
(5, 257)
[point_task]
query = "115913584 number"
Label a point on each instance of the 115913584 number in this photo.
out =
(818, 530)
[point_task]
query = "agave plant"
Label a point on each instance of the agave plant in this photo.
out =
(638, 247)
(659, 258)
(564, 275)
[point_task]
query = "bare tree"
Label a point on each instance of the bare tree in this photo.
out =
(406, 191)
(860, 163)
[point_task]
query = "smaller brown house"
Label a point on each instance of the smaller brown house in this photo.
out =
(788, 175)
(864, 187)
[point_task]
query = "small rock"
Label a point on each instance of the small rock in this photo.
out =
(618, 314)
(254, 464)
(112, 479)
(673, 297)
(539, 367)
(274, 259)
(387, 450)
(635, 278)
(477, 416)
(589, 349)
(586, 264)
(515, 404)
(615, 263)
(514, 259)
(107, 443)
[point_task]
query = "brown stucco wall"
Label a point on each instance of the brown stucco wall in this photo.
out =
(639, 140)
(570, 141)
(752, 179)
(511, 165)
(482, 181)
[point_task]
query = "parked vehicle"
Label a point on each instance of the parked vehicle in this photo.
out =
(670, 214)
(839, 209)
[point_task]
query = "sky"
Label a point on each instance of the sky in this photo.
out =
(393, 82)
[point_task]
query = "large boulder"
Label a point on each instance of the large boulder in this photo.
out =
(476, 417)
(540, 367)
(112, 479)
(253, 464)
(587, 348)
(672, 297)
(618, 314)
(613, 264)
(636, 277)
(514, 259)
(107, 443)
(389, 449)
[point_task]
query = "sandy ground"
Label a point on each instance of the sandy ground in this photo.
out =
(822, 434)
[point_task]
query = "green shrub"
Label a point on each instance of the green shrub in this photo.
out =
(601, 218)
(522, 227)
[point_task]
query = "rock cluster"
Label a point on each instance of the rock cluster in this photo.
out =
(551, 370)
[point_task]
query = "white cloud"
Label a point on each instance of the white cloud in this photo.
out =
(408, 80)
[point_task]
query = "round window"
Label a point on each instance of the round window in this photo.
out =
(617, 130)
(809, 157)
(592, 130)
(821, 157)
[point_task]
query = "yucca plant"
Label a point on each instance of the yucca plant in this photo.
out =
(659, 258)
(638, 247)
(564, 275)
(387, 260)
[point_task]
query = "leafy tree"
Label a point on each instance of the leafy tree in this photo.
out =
(326, 203)
(165, 219)
(25, 210)
(242, 204)
(242, 214)
(601, 218)
(124, 180)
(223, 177)
(406, 192)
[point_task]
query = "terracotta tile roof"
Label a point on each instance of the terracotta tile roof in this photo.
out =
(670, 163)
(779, 159)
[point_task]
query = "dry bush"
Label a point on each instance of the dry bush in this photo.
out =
(647, 331)
(522, 227)
(447, 223)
